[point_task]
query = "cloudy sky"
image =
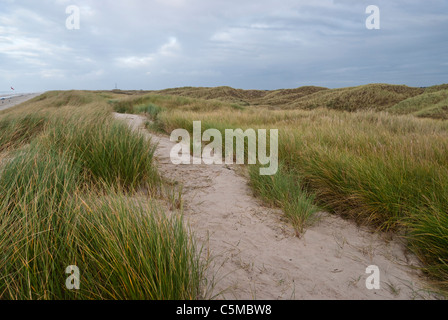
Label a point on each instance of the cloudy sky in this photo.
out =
(249, 44)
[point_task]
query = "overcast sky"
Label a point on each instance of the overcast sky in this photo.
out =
(262, 44)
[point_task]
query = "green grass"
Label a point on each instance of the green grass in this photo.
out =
(150, 109)
(428, 237)
(18, 131)
(284, 190)
(39, 177)
(431, 104)
(36, 224)
(148, 103)
(109, 152)
(132, 251)
(69, 195)
(124, 250)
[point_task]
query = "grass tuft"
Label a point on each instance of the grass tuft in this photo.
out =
(284, 190)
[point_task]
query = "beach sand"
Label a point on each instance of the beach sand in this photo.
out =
(13, 101)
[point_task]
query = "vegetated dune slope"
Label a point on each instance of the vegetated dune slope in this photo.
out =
(433, 103)
(245, 97)
(256, 253)
(378, 95)
(385, 170)
(429, 102)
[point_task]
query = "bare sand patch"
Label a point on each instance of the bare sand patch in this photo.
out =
(13, 101)
(256, 254)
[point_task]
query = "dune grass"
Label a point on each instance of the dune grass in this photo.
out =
(35, 226)
(109, 152)
(18, 131)
(135, 251)
(124, 249)
(150, 109)
(431, 104)
(380, 164)
(386, 171)
(376, 97)
(69, 195)
(285, 191)
(373, 96)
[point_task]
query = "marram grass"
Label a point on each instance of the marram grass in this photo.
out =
(68, 197)
(285, 191)
(387, 171)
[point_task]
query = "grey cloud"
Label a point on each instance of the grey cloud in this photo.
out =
(264, 44)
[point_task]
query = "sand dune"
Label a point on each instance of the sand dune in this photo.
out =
(256, 254)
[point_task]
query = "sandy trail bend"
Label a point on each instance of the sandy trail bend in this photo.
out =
(256, 254)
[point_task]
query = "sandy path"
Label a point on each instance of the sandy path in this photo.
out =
(13, 101)
(256, 254)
